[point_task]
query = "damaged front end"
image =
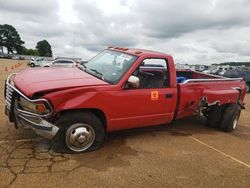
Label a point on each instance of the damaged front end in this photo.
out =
(33, 113)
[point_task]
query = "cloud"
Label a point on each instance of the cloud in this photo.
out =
(193, 32)
(28, 6)
(168, 19)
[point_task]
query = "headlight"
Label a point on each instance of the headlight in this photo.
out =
(38, 107)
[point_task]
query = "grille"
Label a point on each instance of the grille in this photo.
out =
(9, 93)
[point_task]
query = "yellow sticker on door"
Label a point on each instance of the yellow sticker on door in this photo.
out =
(154, 95)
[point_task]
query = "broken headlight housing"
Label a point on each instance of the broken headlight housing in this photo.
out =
(39, 107)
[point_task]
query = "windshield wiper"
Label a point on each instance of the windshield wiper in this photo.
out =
(97, 72)
(84, 66)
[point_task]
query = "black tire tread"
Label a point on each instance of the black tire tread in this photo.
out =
(215, 116)
(69, 118)
(228, 117)
(248, 84)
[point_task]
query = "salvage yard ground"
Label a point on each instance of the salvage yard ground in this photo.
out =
(183, 154)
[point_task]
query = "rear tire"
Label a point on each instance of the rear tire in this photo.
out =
(214, 116)
(230, 118)
(78, 132)
(247, 87)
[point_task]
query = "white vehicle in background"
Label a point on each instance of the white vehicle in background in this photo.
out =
(42, 62)
(36, 62)
(60, 63)
(217, 70)
(224, 69)
(207, 71)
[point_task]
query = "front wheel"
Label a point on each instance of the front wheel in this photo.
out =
(78, 132)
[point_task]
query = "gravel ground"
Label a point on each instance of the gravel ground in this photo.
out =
(183, 154)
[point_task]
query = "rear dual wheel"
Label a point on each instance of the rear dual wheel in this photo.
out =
(214, 116)
(224, 117)
(247, 87)
(230, 118)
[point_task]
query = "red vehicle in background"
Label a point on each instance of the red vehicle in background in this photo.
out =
(120, 88)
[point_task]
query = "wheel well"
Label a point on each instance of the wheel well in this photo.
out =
(99, 113)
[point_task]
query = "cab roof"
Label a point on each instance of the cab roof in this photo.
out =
(137, 52)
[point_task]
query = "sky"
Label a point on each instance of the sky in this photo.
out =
(194, 32)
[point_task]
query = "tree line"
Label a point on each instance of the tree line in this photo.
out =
(247, 64)
(11, 40)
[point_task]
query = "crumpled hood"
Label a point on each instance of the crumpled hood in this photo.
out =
(35, 80)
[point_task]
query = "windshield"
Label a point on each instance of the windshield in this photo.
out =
(109, 65)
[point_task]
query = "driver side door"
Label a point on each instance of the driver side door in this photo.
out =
(153, 103)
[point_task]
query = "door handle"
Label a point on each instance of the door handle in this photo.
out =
(169, 95)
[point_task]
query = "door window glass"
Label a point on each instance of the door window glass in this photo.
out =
(152, 73)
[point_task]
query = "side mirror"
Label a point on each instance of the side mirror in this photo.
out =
(134, 81)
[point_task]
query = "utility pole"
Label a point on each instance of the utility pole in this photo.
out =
(74, 44)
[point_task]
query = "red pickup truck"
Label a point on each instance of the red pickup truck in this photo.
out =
(120, 88)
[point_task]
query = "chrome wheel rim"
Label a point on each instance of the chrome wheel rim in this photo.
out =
(235, 122)
(79, 137)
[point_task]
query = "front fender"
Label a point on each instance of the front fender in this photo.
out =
(81, 98)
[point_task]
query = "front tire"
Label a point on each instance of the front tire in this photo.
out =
(78, 132)
(230, 118)
(32, 65)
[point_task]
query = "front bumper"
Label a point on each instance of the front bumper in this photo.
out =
(38, 123)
